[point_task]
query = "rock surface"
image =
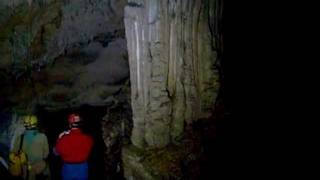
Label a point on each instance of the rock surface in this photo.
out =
(116, 128)
(61, 53)
(172, 55)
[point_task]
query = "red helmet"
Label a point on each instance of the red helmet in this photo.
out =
(74, 118)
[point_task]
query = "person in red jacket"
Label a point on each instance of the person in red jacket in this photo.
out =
(74, 147)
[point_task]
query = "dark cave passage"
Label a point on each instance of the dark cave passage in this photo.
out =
(54, 122)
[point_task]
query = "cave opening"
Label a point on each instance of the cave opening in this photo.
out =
(55, 122)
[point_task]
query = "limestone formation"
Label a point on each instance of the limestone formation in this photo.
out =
(173, 53)
(172, 56)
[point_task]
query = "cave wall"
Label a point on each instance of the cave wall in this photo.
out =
(60, 24)
(117, 127)
(172, 56)
(61, 53)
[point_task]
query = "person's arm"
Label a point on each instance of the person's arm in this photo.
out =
(15, 148)
(58, 147)
(55, 152)
(63, 133)
(16, 144)
(45, 147)
(4, 163)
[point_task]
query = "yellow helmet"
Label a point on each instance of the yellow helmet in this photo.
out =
(30, 121)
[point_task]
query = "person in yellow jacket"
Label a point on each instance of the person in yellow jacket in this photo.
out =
(35, 146)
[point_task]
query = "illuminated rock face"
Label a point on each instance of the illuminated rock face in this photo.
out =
(172, 58)
(172, 47)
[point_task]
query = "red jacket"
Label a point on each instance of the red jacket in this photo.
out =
(74, 147)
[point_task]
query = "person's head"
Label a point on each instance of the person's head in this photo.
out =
(30, 121)
(74, 120)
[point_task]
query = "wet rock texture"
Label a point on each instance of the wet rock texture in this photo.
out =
(116, 128)
(172, 48)
(61, 53)
(172, 57)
